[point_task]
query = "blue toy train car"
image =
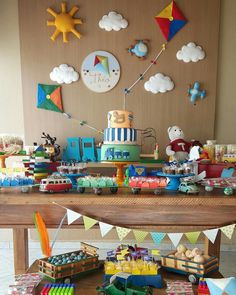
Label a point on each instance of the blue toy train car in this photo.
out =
(111, 154)
(81, 149)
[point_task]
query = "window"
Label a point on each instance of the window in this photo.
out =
(87, 144)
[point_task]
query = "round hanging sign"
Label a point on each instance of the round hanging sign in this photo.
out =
(100, 71)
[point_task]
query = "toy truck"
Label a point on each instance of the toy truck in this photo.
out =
(193, 270)
(70, 265)
(97, 184)
(154, 281)
(119, 288)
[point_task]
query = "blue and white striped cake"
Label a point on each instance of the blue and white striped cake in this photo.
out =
(120, 135)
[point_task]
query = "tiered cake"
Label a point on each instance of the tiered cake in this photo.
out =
(120, 138)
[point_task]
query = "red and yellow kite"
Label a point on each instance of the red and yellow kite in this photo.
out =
(170, 20)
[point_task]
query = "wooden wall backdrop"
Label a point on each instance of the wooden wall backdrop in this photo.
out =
(39, 55)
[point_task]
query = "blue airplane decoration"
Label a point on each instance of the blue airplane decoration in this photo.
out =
(195, 92)
(140, 49)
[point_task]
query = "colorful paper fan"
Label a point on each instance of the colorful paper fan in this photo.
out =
(101, 64)
(170, 20)
(225, 286)
(49, 98)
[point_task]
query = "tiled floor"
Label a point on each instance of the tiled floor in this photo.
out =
(227, 264)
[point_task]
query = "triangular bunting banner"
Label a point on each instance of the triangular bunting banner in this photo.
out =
(175, 238)
(122, 232)
(211, 234)
(72, 216)
(228, 230)
(105, 228)
(193, 236)
(157, 237)
(140, 235)
(89, 222)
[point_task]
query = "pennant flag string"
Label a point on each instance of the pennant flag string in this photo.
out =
(175, 238)
(104, 228)
(122, 232)
(228, 230)
(211, 234)
(89, 222)
(141, 235)
(72, 216)
(192, 236)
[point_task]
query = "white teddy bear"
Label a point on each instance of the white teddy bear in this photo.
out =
(178, 148)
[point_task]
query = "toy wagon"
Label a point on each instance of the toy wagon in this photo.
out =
(228, 184)
(97, 184)
(153, 183)
(64, 270)
(193, 270)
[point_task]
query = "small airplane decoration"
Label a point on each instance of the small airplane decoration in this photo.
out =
(196, 93)
(140, 49)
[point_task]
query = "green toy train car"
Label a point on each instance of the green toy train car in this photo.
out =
(97, 184)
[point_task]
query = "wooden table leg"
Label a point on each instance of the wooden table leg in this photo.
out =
(21, 255)
(213, 249)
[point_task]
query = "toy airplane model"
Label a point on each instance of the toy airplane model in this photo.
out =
(195, 92)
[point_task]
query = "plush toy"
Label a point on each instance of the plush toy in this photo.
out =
(178, 148)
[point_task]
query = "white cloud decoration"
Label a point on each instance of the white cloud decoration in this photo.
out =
(190, 52)
(64, 74)
(159, 83)
(113, 21)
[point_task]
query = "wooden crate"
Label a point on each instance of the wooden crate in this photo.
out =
(189, 267)
(57, 272)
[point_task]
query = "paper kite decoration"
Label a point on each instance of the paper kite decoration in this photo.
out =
(225, 286)
(100, 71)
(101, 64)
(49, 98)
(170, 20)
(64, 22)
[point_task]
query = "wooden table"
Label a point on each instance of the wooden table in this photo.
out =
(167, 212)
(87, 284)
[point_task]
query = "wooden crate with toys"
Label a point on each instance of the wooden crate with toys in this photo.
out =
(193, 263)
(69, 265)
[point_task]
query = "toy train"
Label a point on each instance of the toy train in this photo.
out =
(81, 149)
(57, 183)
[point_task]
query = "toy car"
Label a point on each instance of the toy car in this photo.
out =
(229, 158)
(188, 187)
(119, 288)
(154, 281)
(55, 184)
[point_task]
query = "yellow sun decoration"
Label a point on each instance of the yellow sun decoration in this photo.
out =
(64, 22)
